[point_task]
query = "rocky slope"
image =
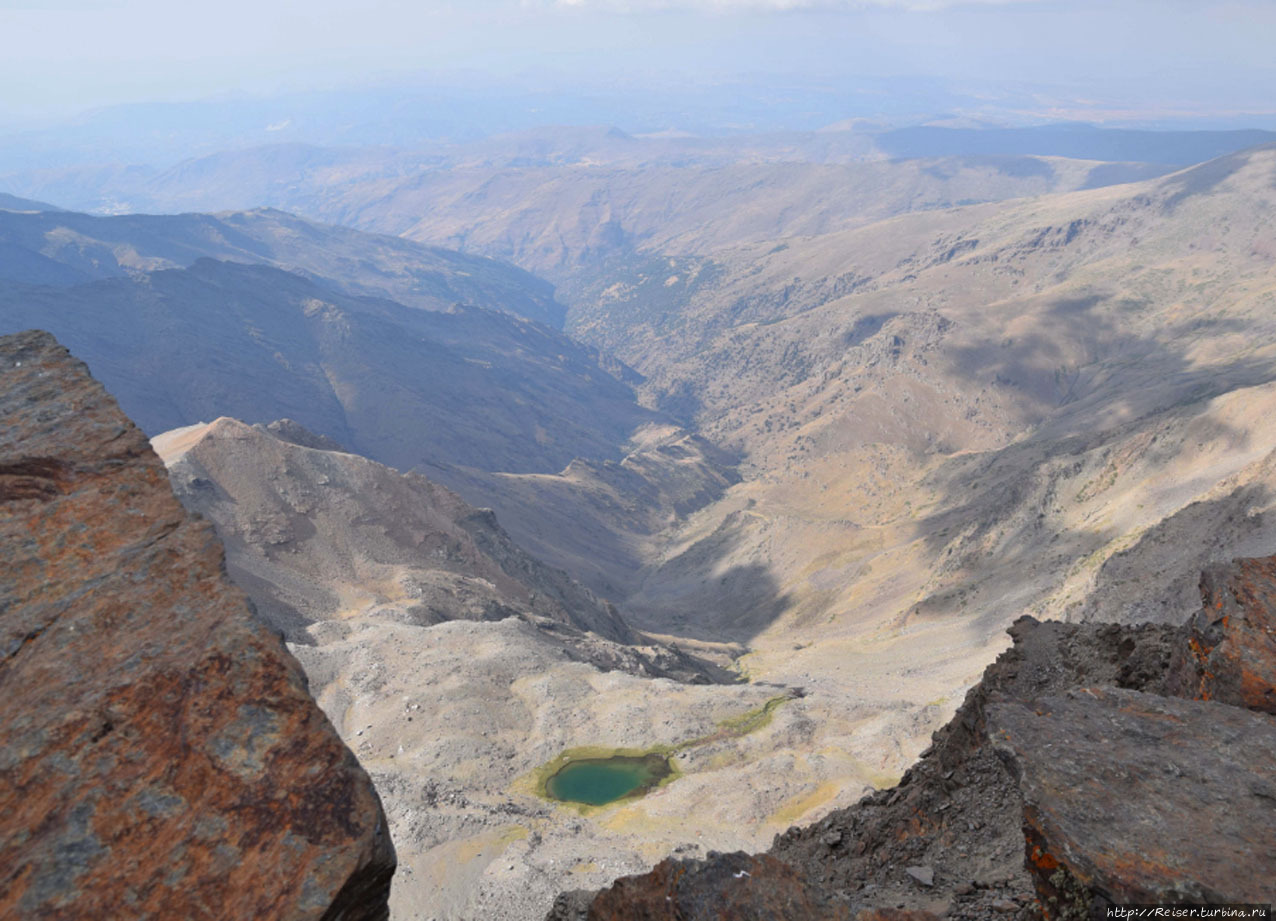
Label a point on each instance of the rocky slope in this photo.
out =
(160, 756)
(1036, 407)
(317, 535)
(1093, 765)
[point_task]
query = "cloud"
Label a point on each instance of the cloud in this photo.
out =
(732, 6)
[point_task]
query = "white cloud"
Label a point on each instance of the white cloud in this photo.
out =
(729, 6)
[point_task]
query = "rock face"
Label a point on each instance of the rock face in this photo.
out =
(1228, 651)
(1133, 798)
(160, 755)
(957, 812)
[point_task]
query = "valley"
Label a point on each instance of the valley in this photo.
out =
(746, 458)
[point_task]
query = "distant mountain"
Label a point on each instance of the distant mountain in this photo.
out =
(14, 203)
(551, 199)
(1083, 142)
(468, 386)
(63, 247)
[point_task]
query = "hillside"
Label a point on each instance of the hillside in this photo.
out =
(482, 388)
(64, 248)
(1038, 799)
(1044, 382)
(584, 476)
(322, 534)
(14, 203)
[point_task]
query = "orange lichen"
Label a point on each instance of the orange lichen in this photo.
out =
(1043, 859)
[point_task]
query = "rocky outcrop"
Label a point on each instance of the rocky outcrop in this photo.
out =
(1228, 652)
(737, 886)
(160, 755)
(1070, 779)
(1134, 798)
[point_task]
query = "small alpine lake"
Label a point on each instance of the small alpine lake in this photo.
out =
(598, 781)
(592, 776)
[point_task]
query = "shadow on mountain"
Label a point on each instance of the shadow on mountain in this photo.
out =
(1102, 403)
(730, 608)
(1083, 365)
(703, 593)
(1158, 578)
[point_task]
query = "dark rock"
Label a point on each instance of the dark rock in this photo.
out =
(733, 886)
(1228, 649)
(160, 756)
(1136, 798)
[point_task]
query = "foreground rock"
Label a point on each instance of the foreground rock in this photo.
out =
(1133, 798)
(160, 756)
(1229, 648)
(736, 885)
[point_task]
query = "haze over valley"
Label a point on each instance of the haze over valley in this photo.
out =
(730, 430)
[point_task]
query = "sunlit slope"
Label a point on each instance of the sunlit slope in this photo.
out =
(1015, 409)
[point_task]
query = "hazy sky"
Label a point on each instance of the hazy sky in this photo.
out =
(65, 55)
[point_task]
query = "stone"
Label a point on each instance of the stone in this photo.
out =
(895, 914)
(160, 755)
(1132, 797)
(1227, 650)
(738, 887)
(924, 876)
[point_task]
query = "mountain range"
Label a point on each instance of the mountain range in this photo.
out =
(788, 447)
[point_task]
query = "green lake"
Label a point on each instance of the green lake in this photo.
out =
(597, 781)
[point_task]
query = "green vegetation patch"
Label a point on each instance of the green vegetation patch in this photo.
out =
(755, 719)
